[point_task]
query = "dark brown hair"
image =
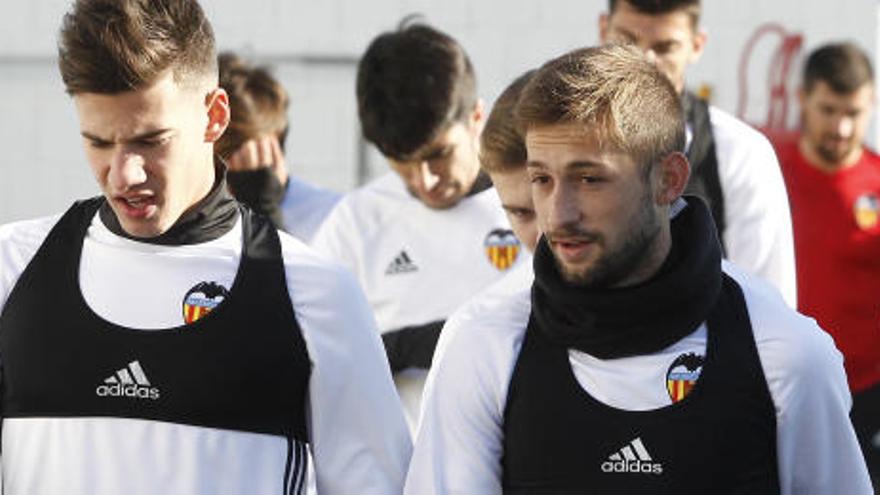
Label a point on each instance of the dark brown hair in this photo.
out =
(692, 8)
(412, 84)
(844, 67)
(113, 46)
(615, 94)
(502, 146)
(257, 101)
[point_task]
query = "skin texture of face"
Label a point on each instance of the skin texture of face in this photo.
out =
(834, 125)
(605, 223)
(515, 191)
(443, 171)
(669, 40)
(151, 150)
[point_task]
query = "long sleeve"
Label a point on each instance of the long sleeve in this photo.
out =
(360, 442)
(758, 234)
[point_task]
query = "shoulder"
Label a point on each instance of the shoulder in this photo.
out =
(793, 349)
(364, 208)
(726, 128)
(311, 275)
(27, 233)
(480, 342)
(19, 242)
(738, 144)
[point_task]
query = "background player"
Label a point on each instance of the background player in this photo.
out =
(834, 187)
(423, 239)
(253, 147)
(733, 166)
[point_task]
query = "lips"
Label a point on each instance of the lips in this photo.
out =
(135, 206)
(572, 249)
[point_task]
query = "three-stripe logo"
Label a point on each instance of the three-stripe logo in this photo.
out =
(130, 381)
(632, 458)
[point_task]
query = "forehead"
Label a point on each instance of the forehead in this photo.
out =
(564, 145)
(822, 93)
(513, 187)
(448, 137)
(159, 104)
(675, 25)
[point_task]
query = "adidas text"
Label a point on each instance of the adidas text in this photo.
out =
(133, 390)
(632, 467)
(632, 458)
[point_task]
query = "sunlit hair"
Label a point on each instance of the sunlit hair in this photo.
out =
(257, 101)
(617, 96)
(114, 46)
(502, 146)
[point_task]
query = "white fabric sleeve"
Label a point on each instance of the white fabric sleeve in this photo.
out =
(19, 243)
(335, 236)
(459, 443)
(758, 233)
(817, 449)
(360, 442)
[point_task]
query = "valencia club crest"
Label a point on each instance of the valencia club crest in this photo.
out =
(867, 211)
(202, 299)
(502, 248)
(682, 375)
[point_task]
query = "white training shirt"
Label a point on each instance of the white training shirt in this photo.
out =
(415, 264)
(458, 447)
(304, 208)
(359, 441)
(758, 234)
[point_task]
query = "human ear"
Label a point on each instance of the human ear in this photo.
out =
(674, 171)
(217, 102)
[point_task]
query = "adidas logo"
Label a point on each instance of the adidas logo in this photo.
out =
(401, 264)
(633, 458)
(128, 382)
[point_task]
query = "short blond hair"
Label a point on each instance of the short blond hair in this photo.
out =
(615, 93)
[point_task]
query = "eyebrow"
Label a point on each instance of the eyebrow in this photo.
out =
(139, 137)
(580, 164)
(436, 152)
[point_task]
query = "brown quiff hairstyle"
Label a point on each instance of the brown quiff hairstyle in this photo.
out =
(257, 101)
(615, 94)
(844, 67)
(502, 146)
(114, 46)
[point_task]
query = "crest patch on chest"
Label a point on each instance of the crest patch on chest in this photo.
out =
(202, 299)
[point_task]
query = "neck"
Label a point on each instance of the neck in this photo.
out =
(654, 259)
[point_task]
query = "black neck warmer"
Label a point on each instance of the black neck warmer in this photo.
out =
(207, 220)
(637, 320)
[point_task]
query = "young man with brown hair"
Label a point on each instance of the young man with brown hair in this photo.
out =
(253, 147)
(639, 361)
(834, 187)
(426, 237)
(734, 168)
(160, 338)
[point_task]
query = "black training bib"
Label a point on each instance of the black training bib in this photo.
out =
(719, 439)
(242, 367)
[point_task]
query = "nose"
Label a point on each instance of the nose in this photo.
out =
(126, 171)
(845, 127)
(564, 211)
(426, 178)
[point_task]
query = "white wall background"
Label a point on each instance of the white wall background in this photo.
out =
(314, 46)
